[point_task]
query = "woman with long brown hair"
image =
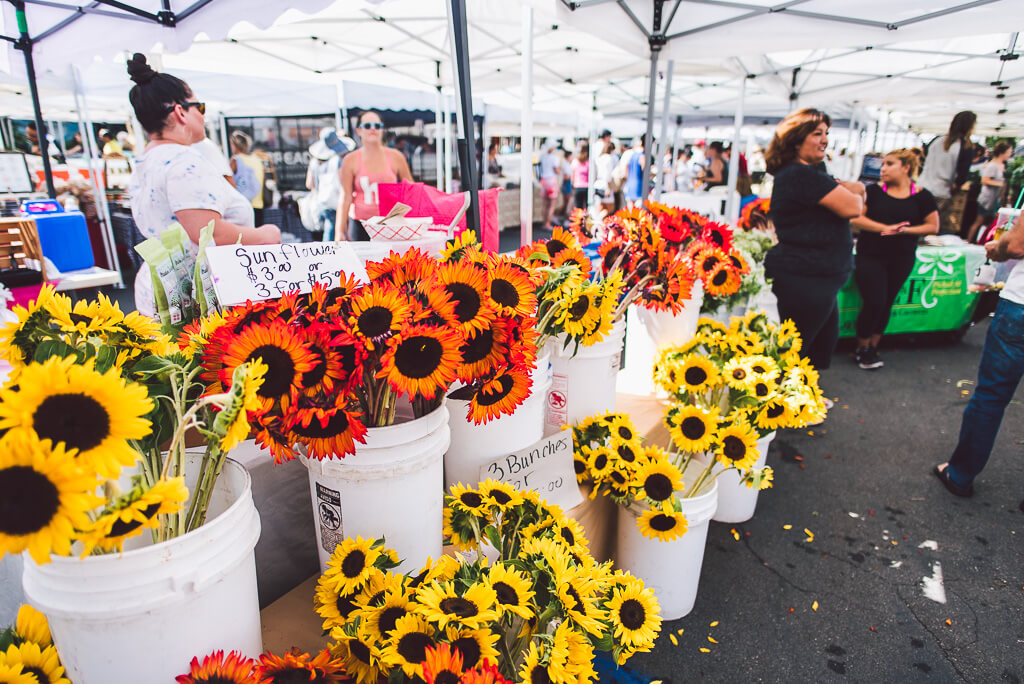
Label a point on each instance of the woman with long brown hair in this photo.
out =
(811, 212)
(946, 166)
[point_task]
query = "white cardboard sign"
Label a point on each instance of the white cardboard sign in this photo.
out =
(545, 467)
(259, 272)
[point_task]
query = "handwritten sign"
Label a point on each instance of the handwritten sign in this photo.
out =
(545, 467)
(259, 272)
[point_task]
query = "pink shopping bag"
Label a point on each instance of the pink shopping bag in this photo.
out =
(426, 200)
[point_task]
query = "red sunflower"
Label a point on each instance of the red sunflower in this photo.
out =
(299, 667)
(722, 281)
(269, 432)
(403, 269)
(329, 362)
(421, 359)
(500, 395)
(582, 226)
(573, 255)
(327, 432)
(610, 251)
(324, 301)
(482, 352)
(706, 260)
(719, 234)
(459, 293)
(378, 311)
(217, 668)
(739, 263)
(511, 291)
(283, 351)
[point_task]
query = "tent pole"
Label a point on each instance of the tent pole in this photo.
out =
(341, 113)
(438, 139)
(25, 45)
(592, 143)
(732, 207)
(663, 138)
(467, 138)
(447, 117)
(526, 141)
(675, 145)
(645, 186)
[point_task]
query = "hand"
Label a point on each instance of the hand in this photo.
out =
(992, 251)
(855, 187)
(269, 234)
(896, 228)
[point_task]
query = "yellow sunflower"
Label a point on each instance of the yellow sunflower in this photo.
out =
(698, 374)
(93, 413)
(579, 308)
(408, 645)
(462, 243)
(42, 663)
(760, 478)
(232, 421)
(128, 515)
(510, 290)
(575, 593)
(360, 653)
(737, 373)
(31, 625)
(635, 614)
(600, 463)
(45, 496)
(737, 446)
(512, 589)
(692, 428)
(501, 495)
(440, 603)
(421, 360)
(658, 479)
(470, 500)
(380, 620)
(85, 317)
(15, 674)
(537, 667)
(350, 565)
(570, 532)
(664, 523)
(475, 645)
(334, 607)
(774, 414)
(622, 430)
(377, 311)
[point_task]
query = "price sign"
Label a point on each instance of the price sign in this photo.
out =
(259, 272)
(545, 467)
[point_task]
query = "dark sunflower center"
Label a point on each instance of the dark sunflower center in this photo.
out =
(446, 677)
(718, 238)
(28, 500)
(280, 370)
(455, 605)
(314, 375)
(720, 278)
(579, 466)
(758, 368)
(337, 424)
(490, 398)
(418, 357)
(78, 420)
(79, 319)
(761, 389)
(626, 453)
(347, 356)
(507, 595)
(120, 527)
(471, 499)
(246, 320)
(568, 536)
(577, 601)
(579, 308)
(354, 563)
(375, 321)
(293, 675)
(540, 675)
(739, 374)
(600, 462)
(632, 614)
(695, 375)
(775, 410)
(212, 679)
(345, 605)
(693, 428)
(555, 246)
(662, 522)
(625, 433)
(413, 647)
(470, 650)
(377, 600)
(658, 486)
(477, 348)
(467, 301)
(504, 292)
(710, 263)
(501, 498)
(618, 477)
(388, 617)
(734, 448)
(360, 650)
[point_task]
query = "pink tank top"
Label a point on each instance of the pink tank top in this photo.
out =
(365, 200)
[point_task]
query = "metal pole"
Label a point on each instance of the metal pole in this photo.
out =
(732, 207)
(438, 140)
(663, 138)
(645, 172)
(446, 115)
(592, 155)
(675, 146)
(467, 140)
(25, 45)
(526, 144)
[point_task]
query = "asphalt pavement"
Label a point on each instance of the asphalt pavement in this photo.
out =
(910, 583)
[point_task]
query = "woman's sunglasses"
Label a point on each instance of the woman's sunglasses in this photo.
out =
(201, 106)
(371, 125)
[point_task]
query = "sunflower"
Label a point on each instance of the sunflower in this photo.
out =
(442, 665)
(85, 317)
(379, 621)
(692, 428)
(15, 674)
(722, 281)
(482, 352)
(476, 646)
(406, 269)
(441, 604)
(359, 652)
(739, 262)
(44, 496)
(788, 336)
(718, 234)
(469, 500)
(31, 625)
(460, 245)
(635, 614)
(327, 432)
(350, 565)
(574, 593)
(738, 375)
(501, 495)
(580, 661)
(459, 293)
(334, 607)
(292, 667)
(570, 533)
(93, 413)
(510, 291)
(626, 453)
(763, 388)
(281, 349)
(737, 446)
(232, 421)
(600, 463)
(578, 309)
(408, 646)
(537, 667)
(705, 259)
(664, 523)
(697, 373)
(658, 479)
(775, 413)
(378, 310)
(128, 515)
(500, 395)
(42, 663)
(512, 589)
(421, 359)
(622, 429)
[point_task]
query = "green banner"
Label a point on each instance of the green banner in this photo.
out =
(936, 296)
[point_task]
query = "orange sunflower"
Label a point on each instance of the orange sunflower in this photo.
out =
(722, 281)
(324, 301)
(573, 255)
(499, 395)
(739, 264)
(442, 665)
(404, 269)
(482, 352)
(706, 259)
(283, 351)
(421, 359)
(718, 234)
(329, 362)
(327, 432)
(510, 290)
(378, 310)
(460, 295)
(299, 667)
(217, 668)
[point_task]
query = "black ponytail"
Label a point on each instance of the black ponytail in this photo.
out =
(153, 93)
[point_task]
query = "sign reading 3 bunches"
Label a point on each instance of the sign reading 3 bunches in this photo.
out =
(545, 467)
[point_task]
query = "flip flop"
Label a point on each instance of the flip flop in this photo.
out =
(954, 488)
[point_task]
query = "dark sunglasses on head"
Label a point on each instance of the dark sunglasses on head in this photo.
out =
(201, 106)
(371, 125)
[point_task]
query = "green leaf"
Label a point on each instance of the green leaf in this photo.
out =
(7, 638)
(492, 536)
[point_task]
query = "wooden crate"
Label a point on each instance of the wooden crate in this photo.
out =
(19, 240)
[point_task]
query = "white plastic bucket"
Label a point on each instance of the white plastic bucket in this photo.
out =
(584, 384)
(671, 569)
(737, 501)
(474, 446)
(142, 615)
(649, 331)
(391, 487)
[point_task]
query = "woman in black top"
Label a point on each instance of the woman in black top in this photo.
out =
(898, 211)
(811, 212)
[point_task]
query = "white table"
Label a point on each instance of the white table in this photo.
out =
(86, 277)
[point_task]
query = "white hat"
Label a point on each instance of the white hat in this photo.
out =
(330, 144)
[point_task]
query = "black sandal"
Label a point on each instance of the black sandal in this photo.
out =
(954, 488)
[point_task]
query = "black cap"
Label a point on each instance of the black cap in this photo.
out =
(605, 134)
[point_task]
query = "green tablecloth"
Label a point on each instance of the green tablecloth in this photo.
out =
(936, 296)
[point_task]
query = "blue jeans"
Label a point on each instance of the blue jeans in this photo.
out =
(1000, 371)
(326, 218)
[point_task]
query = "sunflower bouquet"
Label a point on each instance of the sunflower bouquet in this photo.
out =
(755, 215)
(532, 602)
(27, 653)
(95, 414)
(293, 666)
(729, 387)
(608, 453)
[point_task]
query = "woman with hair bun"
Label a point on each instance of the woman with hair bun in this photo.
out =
(173, 182)
(811, 211)
(897, 212)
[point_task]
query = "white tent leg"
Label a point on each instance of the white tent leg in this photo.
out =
(526, 144)
(439, 140)
(225, 150)
(645, 186)
(447, 114)
(595, 119)
(663, 138)
(103, 209)
(732, 207)
(341, 111)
